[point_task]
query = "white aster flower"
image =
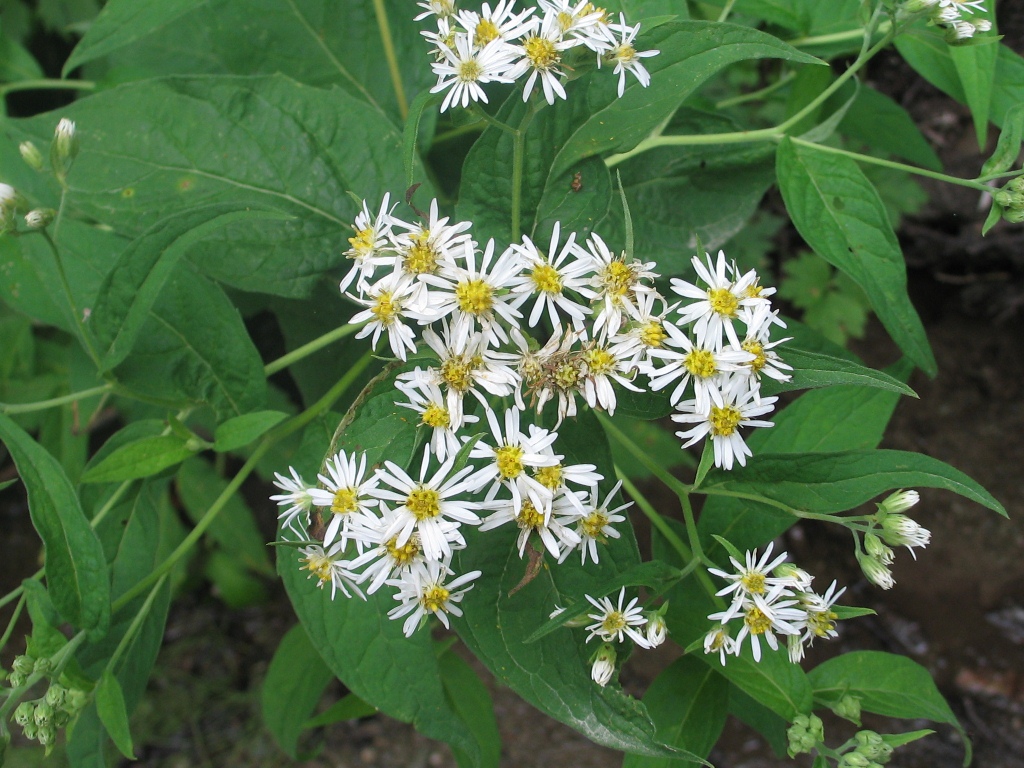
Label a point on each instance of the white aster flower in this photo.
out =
(296, 498)
(555, 476)
(657, 630)
(898, 530)
(541, 54)
(369, 244)
(440, 8)
(425, 592)
(595, 525)
(384, 557)
(328, 567)
(602, 665)
(502, 25)
(465, 68)
(646, 331)
(614, 623)
(347, 494)
(718, 640)
(426, 398)
(754, 578)
(618, 283)
(530, 519)
(424, 504)
(605, 364)
(704, 365)
(729, 411)
(765, 619)
(422, 249)
(580, 20)
(387, 305)
(765, 362)
(626, 56)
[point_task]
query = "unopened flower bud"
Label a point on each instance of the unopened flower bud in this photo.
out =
(656, 630)
(801, 579)
(17, 679)
(30, 730)
(23, 714)
(901, 531)
(61, 718)
(805, 732)
(899, 501)
(30, 154)
(1014, 215)
(23, 665)
(74, 700)
(983, 25)
(872, 746)
(876, 549)
(39, 218)
(960, 31)
(42, 666)
(55, 695)
(46, 735)
(43, 713)
(848, 708)
(64, 148)
(916, 6)
(1016, 184)
(603, 665)
(876, 572)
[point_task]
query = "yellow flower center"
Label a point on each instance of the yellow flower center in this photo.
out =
(436, 416)
(345, 501)
(724, 420)
(594, 523)
(549, 477)
(363, 242)
(546, 278)
(723, 301)
(486, 31)
(700, 363)
(457, 373)
(624, 53)
(318, 565)
(475, 297)
(822, 622)
(567, 375)
(614, 622)
(756, 348)
(753, 291)
(529, 516)
(753, 583)
(652, 334)
(469, 71)
(531, 370)
(565, 20)
(434, 598)
(541, 52)
(757, 622)
(600, 362)
(424, 503)
(509, 459)
(386, 309)
(618, 277)
(421, 257)
(404, 554)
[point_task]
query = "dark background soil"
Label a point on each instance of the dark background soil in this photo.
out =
(959, 609)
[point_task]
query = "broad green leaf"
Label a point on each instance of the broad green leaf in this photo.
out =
(648, 406)
(131, 433)
(836, 482)
(133, 285)
(16, 62)
(233, 583)
(759, 718)
(195, 349)
(691, 52)
(692, 193)
(411, 133)
(638, 10)
(884, 125)
(113, 714)
(839, 213)
(1008, 148)
(46, 638)
(350, 707)
(76, 570)
(235, 528)
(241, 430)
(688, 704)
(122, 22)
(159, 147)
(142, 458)
(469, 697)
(295, 682)
(886, 684)
(812, 370)
(899, 739)
(976, 67)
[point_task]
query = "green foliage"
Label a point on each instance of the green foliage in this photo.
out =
(832, 303)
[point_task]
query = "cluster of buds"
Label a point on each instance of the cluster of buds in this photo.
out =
(42, 718)
(894, 529)
(949, 16)
(1011, 200)
(806, 732)
(870, 751)
(63, 150)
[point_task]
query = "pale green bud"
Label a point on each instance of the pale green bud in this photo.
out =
(47, 734)
(23, 714)
(23, 665)
(603, 664)
(30, 154)
(64, 148)
(43, 713)
(17, 679)
(848, 708)
(854, 760)
(55, 695)
(42, 666)
(74, 700)
(917, 6)
(39, 218)
(1016, 185)
(900, 501)
(876, 549)
(875, 572)
(872, 746)
(901, 531)
(1014, 215)
(61, 718)
(31, 729)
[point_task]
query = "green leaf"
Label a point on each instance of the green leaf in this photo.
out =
(653, 438)
(814, 370)
(241, 430)
(194, 349)
(235, 528)
(884, 125)
(411, 133)
(469, 697)
(976, 67)
(16, 63)
(1008, 148)
(295, 682)
(122, 22)
(133, 285)
(899, 739)
(839, 213)
(759, 718)
(141, 458)
(113, 714)
(46, 638)
(350, 707)
(886, 684)
(688, 704)
(691, 52)
(214, 140)
(836, 482)
(76, 570)
(7, 484)
(995, 215)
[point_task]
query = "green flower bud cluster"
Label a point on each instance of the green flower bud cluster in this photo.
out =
(43, 718)
(869, 751)
(848, 708)
(1011, 200)
(806, 732)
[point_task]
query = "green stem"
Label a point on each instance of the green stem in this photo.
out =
(42, 405)
(60, 207)
(674, 484)
(14, 620)
(655, 517)
(482, 113)
(389, 53)
(838, 37)
(294, 424)
(786, 79)
(314, 346)
(724, 15)
(518, 159)
(691, 529)
(752, 497)
(47, 84)
(892, 164)
(461, 130)
(133, 628)
(77, 318)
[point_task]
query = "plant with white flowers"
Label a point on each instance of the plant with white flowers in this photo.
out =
(459, 282)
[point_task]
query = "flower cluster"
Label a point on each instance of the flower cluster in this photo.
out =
(949, 15)
(771, 597)
(894, 529)
(474, 48)
(614, 623)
